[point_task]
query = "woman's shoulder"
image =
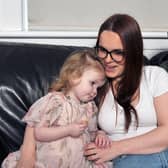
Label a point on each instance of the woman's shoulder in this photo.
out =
(152, 72)
(153, 69)
(156, 78)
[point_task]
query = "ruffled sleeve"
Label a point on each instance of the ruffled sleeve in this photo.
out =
(46, 110)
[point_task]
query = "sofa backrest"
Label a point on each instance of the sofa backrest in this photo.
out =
(160, 59)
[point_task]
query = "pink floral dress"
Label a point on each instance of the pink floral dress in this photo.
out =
(53, 110)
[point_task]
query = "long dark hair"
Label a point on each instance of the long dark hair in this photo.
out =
(130, 34)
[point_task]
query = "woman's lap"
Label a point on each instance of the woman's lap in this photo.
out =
(157, 160)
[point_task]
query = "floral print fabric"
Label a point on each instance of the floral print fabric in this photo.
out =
(53, 110)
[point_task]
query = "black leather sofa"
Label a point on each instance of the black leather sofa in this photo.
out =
(26, 72)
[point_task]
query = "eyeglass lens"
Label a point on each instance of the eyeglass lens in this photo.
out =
(115, 54)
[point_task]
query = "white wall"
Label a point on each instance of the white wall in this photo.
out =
(14, 21)
(10, 15)
(79, 15)
(87, 15)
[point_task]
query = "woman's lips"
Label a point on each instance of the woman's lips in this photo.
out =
(110, 68)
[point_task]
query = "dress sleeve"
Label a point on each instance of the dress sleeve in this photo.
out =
(45, 111)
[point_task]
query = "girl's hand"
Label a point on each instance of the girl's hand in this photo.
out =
(102, 140)
(77, 129)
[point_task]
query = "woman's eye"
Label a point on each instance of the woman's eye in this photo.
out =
(102, 49)
(118, 52)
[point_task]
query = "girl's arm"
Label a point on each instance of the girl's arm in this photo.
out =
(46, 134)
(28, 150)
(151, 142)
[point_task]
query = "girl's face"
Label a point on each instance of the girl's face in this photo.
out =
(85, 88)
(110, 50)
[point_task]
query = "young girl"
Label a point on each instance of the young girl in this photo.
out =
(64, 120)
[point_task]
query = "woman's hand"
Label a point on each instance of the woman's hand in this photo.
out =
(100, 155)
(102, 140)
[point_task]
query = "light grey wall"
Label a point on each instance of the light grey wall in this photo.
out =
(87, 15)
(82, 20)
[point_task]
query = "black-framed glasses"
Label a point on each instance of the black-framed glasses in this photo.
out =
(116, 55)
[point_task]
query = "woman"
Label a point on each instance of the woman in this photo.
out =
(133, 104)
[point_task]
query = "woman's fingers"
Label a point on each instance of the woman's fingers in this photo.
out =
(91, 145)
(92, 157)
(90, 149)
(89, 152)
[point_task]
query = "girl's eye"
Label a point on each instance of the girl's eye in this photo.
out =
(92, 83)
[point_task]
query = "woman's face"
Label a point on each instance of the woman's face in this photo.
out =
(110, 45)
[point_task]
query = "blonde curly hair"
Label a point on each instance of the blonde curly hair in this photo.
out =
(73, 68)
